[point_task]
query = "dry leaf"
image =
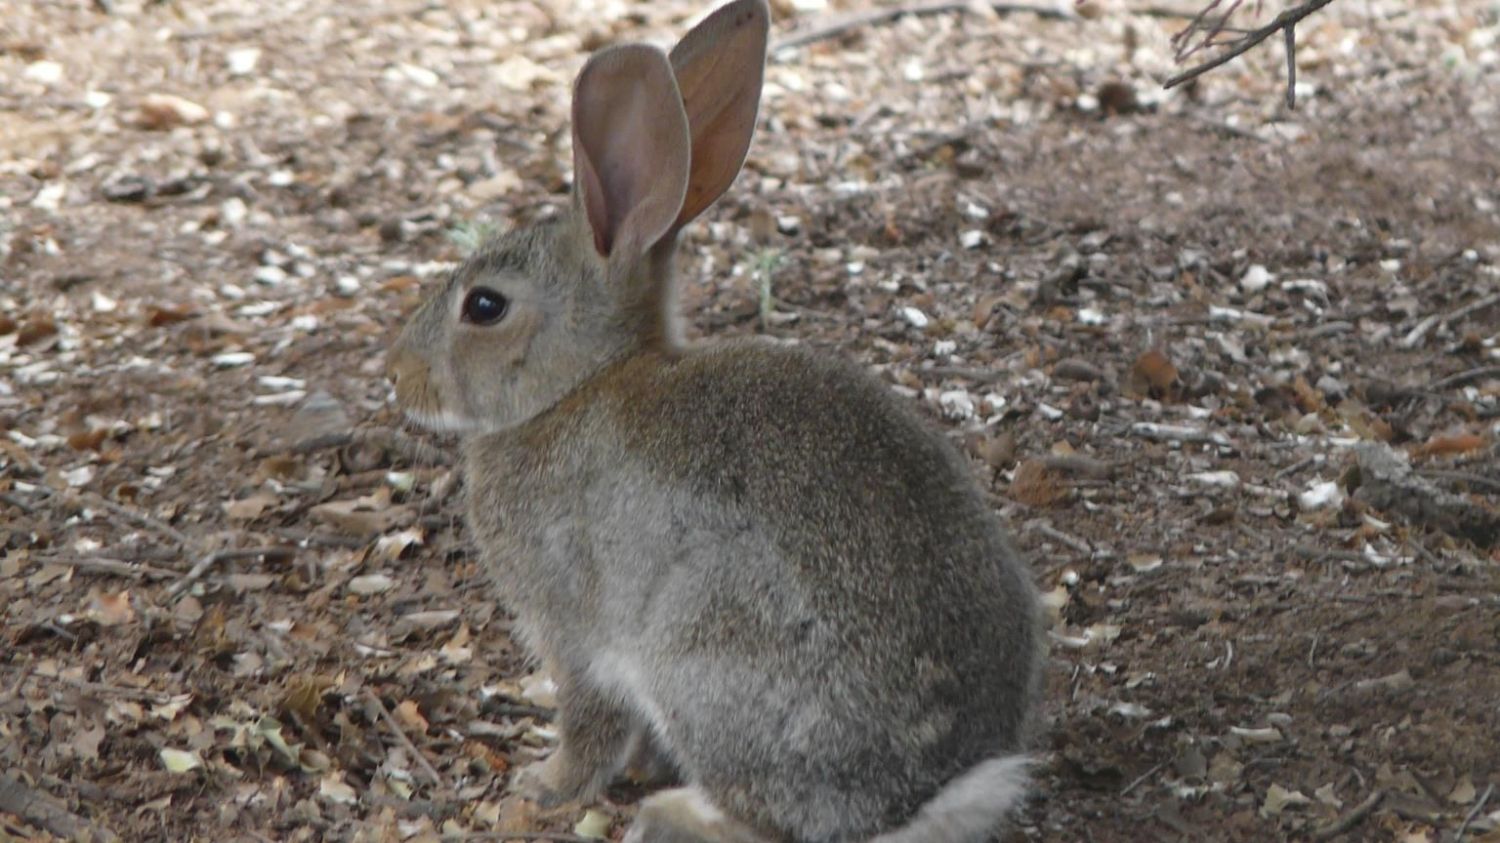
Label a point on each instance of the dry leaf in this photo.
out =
(110, 609)
(35, 329)
(1154, 376)
(411, 716)
(1036, 485)
(249, 509)
(1444, 446)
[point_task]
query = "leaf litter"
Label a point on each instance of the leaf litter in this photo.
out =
(1229, 370)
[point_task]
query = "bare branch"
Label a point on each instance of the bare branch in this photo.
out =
(1209, 29)
(847, 23)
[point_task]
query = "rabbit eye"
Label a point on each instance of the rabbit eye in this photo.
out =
(483, 306)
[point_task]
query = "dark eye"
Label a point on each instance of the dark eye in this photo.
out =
(483, 306)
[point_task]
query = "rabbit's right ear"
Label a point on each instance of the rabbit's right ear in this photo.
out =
(719, 66)
(630, 150)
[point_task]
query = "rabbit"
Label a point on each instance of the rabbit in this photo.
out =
(751, 560)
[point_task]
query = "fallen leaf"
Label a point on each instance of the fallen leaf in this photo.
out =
(180, 761)
(333, 789)
(35, 329)
(1279, 799)
(1154, 376)
(411, 716)
(1447, 446)
(1463, 792)
(1036, 485)
(371, 584)
(110, 609)
(392, 547)
(594, 825)
(249, 509)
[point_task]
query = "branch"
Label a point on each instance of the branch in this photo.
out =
(847, 23)
(1284, 22)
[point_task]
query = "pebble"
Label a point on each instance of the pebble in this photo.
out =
(1255, 279)
(166, 111)
(915, 317)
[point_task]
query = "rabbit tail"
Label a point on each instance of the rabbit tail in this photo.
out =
(970, 808)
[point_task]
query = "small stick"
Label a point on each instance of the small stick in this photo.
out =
(390, 721)
(103, 565)
(1141, 778)
(1057, 535)
(140, 518)
(1466, 378)
(1291, 65)
(203, 565)
(16, 502)
(1178, 433)
(1460, 476)
(1351, 819)
(157, 697)
(411, 449)
(1296, 467)
(1286, 19)
(1472, 307)
(881, 16)
(554, 836)
(44, 810)
(1474, 812)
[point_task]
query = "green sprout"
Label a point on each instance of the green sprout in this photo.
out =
(469, 235)
(763, 265)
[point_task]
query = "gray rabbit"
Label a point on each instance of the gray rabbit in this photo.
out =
(753, 561)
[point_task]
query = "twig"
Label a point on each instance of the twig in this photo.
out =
(1141, 778)
(1296, 467)
(46, 811)
(1284, 21)
(203, 565)
(1351, 819)
(16, 502)
(554, 836)
(1460, 476)
(846, 23)
(390, 721)
(1057, 535)
(1178, 433)
(118, 567)
(1466, 378)
(140, 518)
(1473, 812)
(411, 449)
(1472, 307)
(157, 697)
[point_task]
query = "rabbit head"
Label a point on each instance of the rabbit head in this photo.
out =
(537, 311)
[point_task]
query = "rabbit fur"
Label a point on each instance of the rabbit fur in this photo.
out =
(749, 561)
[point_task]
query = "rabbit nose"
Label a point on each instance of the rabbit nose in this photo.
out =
(403, 366)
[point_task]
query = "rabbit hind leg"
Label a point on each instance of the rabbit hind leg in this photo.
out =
(685, 815)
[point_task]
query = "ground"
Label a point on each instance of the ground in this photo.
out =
(1174, 330)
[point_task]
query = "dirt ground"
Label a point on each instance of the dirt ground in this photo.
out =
(1175, 330)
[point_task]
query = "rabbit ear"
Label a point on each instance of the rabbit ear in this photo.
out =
(630, 149)
(719, 67)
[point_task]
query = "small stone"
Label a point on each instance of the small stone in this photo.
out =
(48, 73)
(1255, 279)
(915, 317)
(242, 62)
(972, 239)
(270, 276)
(166, 111)
(233, 212)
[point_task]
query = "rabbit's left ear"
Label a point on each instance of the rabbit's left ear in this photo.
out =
(720, 65)
(630, 150)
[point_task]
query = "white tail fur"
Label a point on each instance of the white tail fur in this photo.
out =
(969, 809)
